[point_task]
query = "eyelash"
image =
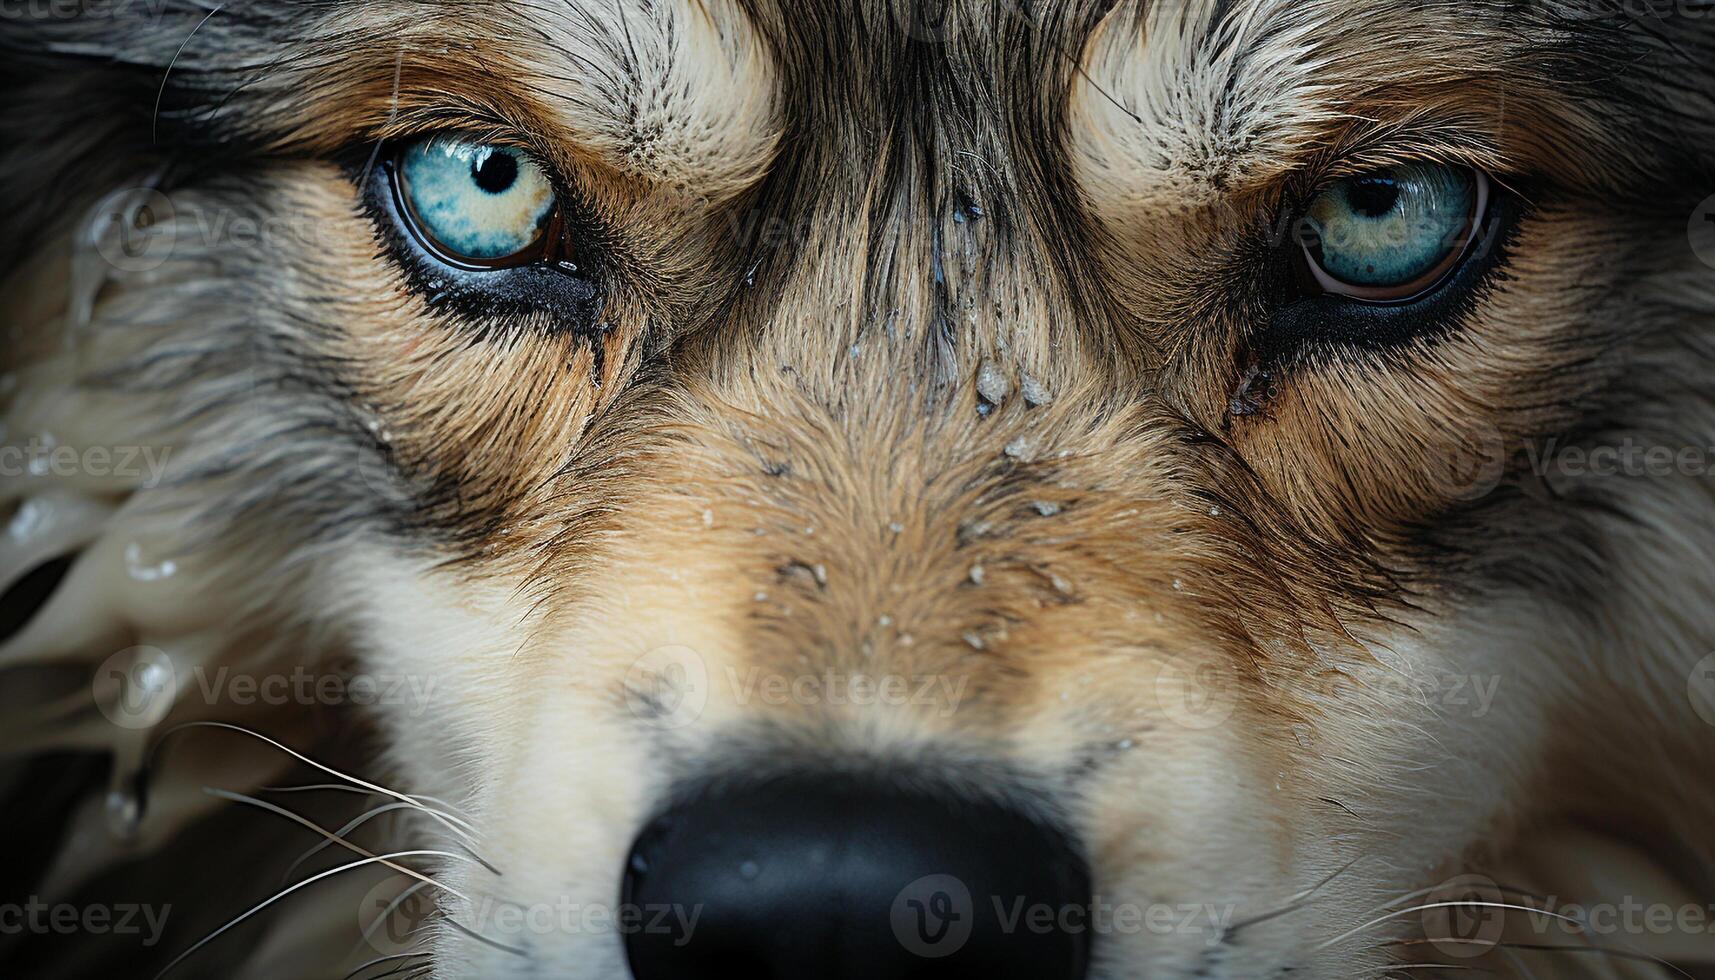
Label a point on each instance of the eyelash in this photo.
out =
(561, 299)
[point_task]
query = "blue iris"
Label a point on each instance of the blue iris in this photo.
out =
(1391, 228)
(474, 200)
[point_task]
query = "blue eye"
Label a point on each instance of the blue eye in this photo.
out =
(1391, 235)
(478, 204)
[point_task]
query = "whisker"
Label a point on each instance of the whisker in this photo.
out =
(1588, 947)
(1440, 905)
(1385, 970)
(378, 859)
(461, 927)
(155, 116)
(401, 968)
(358, 821)
(348, 845)
(452, 823)
(1293, 904)
(384, 959)
(340, 787)
(392, 906)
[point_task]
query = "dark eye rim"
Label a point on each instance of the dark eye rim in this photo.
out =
(555, 294)
(1471, 232)
(1304, 323)
(549, 247)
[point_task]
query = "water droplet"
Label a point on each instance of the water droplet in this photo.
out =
(821, 573)
(884, 620)
(895, 527)
(976, 575)
(31, 519)
(974, 641)
(1021, 447)
(1047, 508)
(708, 518)
(1123, 744)
(1215, 511)
(1035, 392)
(141, 569)
(992, 383)
(1178, 585)
(124, 813)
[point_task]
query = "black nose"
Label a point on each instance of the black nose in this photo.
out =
(830, 877)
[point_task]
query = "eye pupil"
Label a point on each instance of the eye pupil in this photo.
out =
(493, 171)
(1374, 196)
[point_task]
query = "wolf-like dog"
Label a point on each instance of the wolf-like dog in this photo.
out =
(1143, 490)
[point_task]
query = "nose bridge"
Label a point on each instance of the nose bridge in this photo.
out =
(898, 228)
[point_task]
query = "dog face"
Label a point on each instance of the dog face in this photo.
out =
(1014, 422)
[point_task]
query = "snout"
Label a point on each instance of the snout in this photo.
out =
(844, 878)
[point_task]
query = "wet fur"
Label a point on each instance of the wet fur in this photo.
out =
(932, 354)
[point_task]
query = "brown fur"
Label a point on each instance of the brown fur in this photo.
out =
(930, 347)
